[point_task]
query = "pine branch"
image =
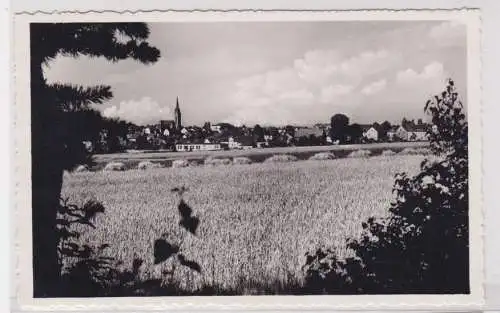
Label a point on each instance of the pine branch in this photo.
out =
(94, 40)
(71, 98)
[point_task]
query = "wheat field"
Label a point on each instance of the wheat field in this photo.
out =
(257, 220)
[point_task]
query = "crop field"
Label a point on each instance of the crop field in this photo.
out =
(256, 221)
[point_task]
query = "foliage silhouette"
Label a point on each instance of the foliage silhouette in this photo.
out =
(189, 222)
(90, 273)
(191, 264)
(339, 124)
(422, 247)
(163, 250)
(56, 144)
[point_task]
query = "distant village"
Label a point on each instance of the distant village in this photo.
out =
(172, 135)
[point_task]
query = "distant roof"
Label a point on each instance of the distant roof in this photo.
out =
(417, 128)
(366, 127)
(306, 132)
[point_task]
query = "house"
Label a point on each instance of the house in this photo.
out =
(417, 132)
(185, 147)
(268, 138)
(401, 133)
(391, 133)
(232, 143)
(369, 132)
(242, 142)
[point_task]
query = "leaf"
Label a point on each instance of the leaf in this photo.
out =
(184, 209)
(190, 224)
(191, 264)
(136, 265)
(72, 97)
(163, 250)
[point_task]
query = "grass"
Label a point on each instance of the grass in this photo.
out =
(257, 220)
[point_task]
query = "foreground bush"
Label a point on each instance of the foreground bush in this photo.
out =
(242, 160)
(423, 246)
(323, 156)
(359, 154)
(114, 166)
(281, 158)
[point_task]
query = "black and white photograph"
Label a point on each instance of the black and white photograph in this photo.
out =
(281, 157)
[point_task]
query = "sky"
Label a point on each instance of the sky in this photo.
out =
(278, 73)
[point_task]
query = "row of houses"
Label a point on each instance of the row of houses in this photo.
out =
(243, 142)
(417, 132)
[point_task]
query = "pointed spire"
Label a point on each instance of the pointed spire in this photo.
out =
(177, 103)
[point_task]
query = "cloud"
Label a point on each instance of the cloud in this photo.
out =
(449, 33)
(431, 72)
(332, 92)
(141, 112)
(374, 87)
(292, 94)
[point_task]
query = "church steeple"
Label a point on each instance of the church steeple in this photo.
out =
(177, 112)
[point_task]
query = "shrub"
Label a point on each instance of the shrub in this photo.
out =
(180, 163)
(114, 166)
(216, 162)
(143, 165)
(242, 160)
(278, 158)
(323, 156)
(388, 153)
(81, 168)
(423, 246)
(415, 151)
(359, 154)
(193, 163)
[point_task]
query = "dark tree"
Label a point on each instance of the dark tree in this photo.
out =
(258, 133)
(404, 122)
(385, 127)
(339, 127)
(54, 145)
(355, 132)
(207, 127)
(289, 129)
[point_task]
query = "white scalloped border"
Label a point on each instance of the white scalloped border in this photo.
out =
(21, 138)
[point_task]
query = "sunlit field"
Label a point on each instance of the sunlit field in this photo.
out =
(257, 220)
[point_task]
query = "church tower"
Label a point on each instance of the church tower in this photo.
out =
(177, 112)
